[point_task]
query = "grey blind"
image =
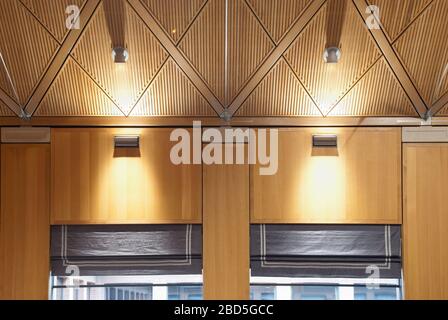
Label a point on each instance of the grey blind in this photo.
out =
(325, 250)
(126, 249)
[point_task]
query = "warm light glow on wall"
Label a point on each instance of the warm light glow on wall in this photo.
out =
(323, 186)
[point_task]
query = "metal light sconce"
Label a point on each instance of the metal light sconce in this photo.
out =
(332, 55)
(120, 55)
(127, 141)
(325, 141)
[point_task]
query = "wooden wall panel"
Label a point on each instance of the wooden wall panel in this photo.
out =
(425, 221)
(226, 231)
(25, 221)
(360, 182)
(91, 184)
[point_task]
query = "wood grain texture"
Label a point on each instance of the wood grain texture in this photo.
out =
(328, 82)
(425, 254)
(426, 60)
(172, 94)
(278, 16)
(378, 93)
(52, 14)
(279, 94)
(27, 48)
(124, 83)
(397, 15)
(226, 231)
(92, 184)
(73, 93)
(359, 182)
(175, 16)
(25, 221)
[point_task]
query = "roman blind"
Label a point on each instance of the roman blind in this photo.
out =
(126, 249)
(350, 251)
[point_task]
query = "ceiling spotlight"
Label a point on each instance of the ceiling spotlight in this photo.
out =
(120, 55)
(332, 55)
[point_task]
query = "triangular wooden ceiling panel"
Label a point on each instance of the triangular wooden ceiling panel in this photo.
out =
(278, 16)
(5, 111)
(26, 46)
(397, 15)
(425, 54)
(172, 94)
(52, 14)
(279, 94)
(378, 93)
(124, 83)
(174, 15)
(327, 82)
(443, 112)
(73, 93)
(205, 47)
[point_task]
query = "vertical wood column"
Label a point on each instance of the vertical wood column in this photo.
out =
(226, 231)
(425, 221)
(25, 221)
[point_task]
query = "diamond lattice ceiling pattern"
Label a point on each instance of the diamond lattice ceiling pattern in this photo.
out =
(200, 57)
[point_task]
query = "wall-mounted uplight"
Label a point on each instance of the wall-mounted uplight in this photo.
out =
(332, 55)
(120, 55)
(325, 141)
(127, 141)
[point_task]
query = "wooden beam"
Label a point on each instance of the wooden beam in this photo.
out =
(275, 55)
(178, 57)
(215, 121)
(442, 102)
(10, 103)
(394, 61)
(61, 56)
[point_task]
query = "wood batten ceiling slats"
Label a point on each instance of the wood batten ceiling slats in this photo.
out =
(278, 16)
(52, 14)
(376, 94)
(204, 46)
(5, 111)
(397, 15)
(279, 94)
(327, 83)
(270, 64)
(26, 46)
(171, 93)
(124, 83)
(73, 93)
(248, 46)
(424, 51)
(174, 15)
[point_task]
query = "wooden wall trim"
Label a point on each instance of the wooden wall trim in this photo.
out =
(425, 255)
(226, 254)
(25, 221)
(215, 121)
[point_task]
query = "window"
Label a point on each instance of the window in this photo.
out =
(323, 289)
(173, 287)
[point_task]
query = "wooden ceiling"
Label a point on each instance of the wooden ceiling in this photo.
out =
(242, 58)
